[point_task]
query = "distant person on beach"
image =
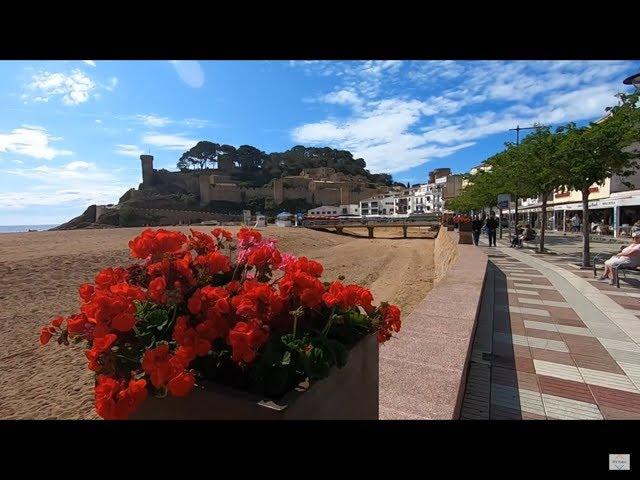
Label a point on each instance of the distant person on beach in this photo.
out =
(575, 223)
(492, 226)
(628, 257)
(476, 228)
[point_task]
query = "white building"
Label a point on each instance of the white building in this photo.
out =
(333, 211)
(425, 198)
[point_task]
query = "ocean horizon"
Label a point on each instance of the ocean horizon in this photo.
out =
(25, 228)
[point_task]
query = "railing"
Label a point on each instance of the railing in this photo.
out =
(411, 220)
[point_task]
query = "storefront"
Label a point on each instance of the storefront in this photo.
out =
(614, 215)
(533, 217)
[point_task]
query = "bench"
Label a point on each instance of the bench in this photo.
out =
(532, 242)
(601, 258)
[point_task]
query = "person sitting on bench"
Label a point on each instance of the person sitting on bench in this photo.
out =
(515, 241)
(628, 257)
(527, 234)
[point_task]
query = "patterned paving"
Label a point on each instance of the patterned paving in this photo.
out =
(553, 344)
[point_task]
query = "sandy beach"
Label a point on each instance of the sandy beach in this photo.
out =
(40, 273)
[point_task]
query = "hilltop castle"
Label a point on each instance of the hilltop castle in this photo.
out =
(316, 186)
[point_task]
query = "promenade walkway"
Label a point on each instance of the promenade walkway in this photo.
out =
(552, 343)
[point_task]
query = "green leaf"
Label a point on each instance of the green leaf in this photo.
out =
(286, 359)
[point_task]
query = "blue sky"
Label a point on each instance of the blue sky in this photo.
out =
(71, 131)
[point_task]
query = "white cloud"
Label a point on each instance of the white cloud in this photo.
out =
(98, 121)
(190, 72)
(76, 183)
(153, 120)
(129, 150)
(113, 82)
(382, 134)
(169, 142)
(400, 117)
(343, 97)
(32, 141)
(196, 122)
(91, 63)
(74, 87)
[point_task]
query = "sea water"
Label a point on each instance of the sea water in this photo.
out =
(24, 228)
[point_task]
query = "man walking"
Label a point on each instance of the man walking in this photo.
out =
(476, 228)
(492, 226)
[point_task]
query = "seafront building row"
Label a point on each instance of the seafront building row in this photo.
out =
(613, 207)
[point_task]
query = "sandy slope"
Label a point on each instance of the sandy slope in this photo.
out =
(40, 272)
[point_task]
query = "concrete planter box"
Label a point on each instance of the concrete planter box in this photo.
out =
(465, 237)
(349, 393)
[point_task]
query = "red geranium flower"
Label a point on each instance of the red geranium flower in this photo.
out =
(155, 243)
(302, 285)
(390, 322)
(245, 340)
(46, 333)
(264, 256)
(157, 289)
(347, 297)
(100, 345)
(303, 264)
(201, 242)
(258, 301)
(247, 237)
(182, 384)
(116, 399)
(213, 263)
(221, 233)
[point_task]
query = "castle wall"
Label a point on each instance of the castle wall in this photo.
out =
(203, 189)
(315, 186)
(278, 191)
(175, 217)
(229, 193)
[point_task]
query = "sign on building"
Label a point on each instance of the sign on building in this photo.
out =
(503, 201)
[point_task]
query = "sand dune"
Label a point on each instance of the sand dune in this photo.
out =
(40, 273)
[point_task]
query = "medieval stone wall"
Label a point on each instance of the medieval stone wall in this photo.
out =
(175, 217)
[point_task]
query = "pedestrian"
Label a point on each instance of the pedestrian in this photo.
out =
(627, 257)
(476, 228)
(575, 223)
(492, 226)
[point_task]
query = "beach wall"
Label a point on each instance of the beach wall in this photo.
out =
(423, 369)
(445, 252)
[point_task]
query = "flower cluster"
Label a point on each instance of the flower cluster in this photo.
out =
(205, 307)
(462, 219)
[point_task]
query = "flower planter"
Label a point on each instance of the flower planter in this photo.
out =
(464, 226)
(349, 393)
(465, 238)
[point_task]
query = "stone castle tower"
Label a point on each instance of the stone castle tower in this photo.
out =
(147, 169)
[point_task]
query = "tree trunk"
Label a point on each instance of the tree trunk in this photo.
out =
(544, 222)
(586, 258)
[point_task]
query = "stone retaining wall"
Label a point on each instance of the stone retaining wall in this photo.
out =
(423, 371)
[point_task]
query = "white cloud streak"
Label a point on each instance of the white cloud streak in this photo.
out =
(408, 125)
(32, 141)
